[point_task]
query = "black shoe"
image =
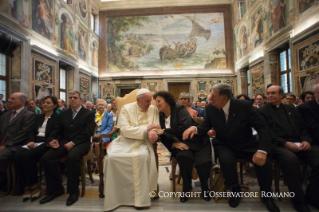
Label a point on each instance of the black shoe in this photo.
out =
(52, 196)
(270, 204)
(183, 199)
(300, 207)
(26, 197)
(233, 202)
(312, 202)
(206, 196)
(72, 199)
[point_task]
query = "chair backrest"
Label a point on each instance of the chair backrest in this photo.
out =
(128, 98)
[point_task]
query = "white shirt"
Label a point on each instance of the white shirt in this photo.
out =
(168, 122)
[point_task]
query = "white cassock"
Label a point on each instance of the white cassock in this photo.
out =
(129, 167)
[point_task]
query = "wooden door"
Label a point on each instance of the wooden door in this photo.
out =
(177, 88)
(126, 91)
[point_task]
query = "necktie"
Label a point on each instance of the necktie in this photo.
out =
(222, 114)
(73, 113)
(13, 115)
(3, 141)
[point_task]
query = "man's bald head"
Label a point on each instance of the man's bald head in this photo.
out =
(275, 94)
(17, 100)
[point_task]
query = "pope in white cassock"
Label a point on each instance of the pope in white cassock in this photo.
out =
(130, 168)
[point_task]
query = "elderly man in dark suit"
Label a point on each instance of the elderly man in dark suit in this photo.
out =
(310, 114)
(14, 129)
(232, 121)
(71, 135)
(292, 142)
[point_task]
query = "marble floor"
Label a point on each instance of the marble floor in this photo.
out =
(91, 202)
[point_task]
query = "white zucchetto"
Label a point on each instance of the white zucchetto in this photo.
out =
(142, 91)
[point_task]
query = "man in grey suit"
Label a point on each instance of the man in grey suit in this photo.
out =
(15, 126)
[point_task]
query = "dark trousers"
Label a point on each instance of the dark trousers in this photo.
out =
(52, 156)
(228, 164)
(5, 155)
(203, 163)
(25, 163)
(289, 163)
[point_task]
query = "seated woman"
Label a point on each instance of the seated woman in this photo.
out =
(174, 120)
(306, 96)
(26, 157)
(185, 99)
(103, 121)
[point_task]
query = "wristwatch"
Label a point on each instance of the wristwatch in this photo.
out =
(157, 132)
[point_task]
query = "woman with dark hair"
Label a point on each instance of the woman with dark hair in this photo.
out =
(306, 96)
(174, 120)
(243, 97)
(26, 157)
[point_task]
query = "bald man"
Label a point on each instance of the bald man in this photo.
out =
(15, 126)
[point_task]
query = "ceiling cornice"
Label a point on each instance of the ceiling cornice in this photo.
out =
(134, 4)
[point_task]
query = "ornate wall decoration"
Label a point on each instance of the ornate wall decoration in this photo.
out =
(306, 65)
(308, 56)
(257, 78)
(107, 90)
(206, 85)
(85, 85)
(308, 81)
(43, 77)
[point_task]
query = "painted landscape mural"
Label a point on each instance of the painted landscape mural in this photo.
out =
(166, 42)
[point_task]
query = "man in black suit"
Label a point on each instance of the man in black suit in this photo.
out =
(292, 142)
(71, 135)
(15, 126)
(232, 121)
(310, 114)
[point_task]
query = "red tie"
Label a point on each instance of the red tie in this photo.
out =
(3, 141)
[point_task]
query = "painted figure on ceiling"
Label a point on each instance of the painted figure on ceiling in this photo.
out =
(44, 10)
(257, 30)
(95, 55)
(66, 35)
(277, 11)
(83, 8)
(82, 45)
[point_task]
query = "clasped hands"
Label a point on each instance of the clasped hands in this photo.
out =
(54, 144)
(152, 135)
(304, 146)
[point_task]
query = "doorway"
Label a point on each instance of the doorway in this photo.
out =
(126, 91)
(177, 88)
